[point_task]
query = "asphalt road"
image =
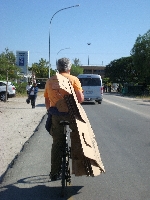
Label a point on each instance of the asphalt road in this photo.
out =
(122, 129)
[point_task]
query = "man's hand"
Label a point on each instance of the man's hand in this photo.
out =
(80, 96)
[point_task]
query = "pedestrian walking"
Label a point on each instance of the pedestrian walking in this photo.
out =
(33, 94)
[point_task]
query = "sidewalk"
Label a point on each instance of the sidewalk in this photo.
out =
(18, 121)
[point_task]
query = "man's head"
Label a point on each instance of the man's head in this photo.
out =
(64, 65)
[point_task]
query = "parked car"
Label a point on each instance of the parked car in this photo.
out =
(41, 85)
(92, 87)
(11, 90)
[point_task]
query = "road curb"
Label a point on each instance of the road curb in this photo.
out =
(16, 156)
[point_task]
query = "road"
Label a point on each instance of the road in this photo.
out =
(122, 129)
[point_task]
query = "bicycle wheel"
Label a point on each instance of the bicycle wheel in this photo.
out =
(67, 174)
(65, 170)
(63, 176)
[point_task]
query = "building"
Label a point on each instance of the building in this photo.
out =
(89, 69)
(22, 61)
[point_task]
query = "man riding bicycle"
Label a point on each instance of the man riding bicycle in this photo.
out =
(53, 97)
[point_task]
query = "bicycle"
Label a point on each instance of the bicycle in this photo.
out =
(66, 155)
(64, 173)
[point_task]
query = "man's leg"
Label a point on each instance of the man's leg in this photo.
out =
(33, 103)
(31, 99)
(57, 132)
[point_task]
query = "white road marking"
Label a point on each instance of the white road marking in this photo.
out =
(127, 108)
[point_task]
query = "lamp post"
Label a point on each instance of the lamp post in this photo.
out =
(60, 51)
(49, 30)
(88, 55)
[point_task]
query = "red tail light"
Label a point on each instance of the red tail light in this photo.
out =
(13, 88)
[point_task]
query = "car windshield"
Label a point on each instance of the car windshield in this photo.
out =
(2, 84)
(90, 81)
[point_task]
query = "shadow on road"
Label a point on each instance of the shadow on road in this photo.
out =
(88, 103)
(112, 93)
(37, 188)
(142, 104)
(40, 105)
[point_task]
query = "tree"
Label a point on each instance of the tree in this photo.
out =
(76, 62)
(141, 57)
(106, 80)
(41, 69)
(121, 70)
(8, 65)
(76, 70)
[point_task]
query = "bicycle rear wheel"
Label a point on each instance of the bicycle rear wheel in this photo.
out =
(65, 169)
(63, 175)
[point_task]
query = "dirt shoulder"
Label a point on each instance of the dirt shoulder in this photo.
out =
(18, 122)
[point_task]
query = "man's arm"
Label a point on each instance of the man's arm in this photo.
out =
(47, 103)
(80, 96)
(36, 90)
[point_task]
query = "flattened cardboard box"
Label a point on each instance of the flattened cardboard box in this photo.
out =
(92, 159)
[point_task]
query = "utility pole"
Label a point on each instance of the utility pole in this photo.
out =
(88, 55)
(6, 86)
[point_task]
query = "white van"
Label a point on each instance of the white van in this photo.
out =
(92, 86)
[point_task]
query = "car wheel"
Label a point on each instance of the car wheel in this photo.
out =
(2, 96)
(99, 102)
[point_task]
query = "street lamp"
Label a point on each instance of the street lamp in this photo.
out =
(49, 30)
(88, 55)
(60, 51)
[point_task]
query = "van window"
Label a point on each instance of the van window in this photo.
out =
(90, 81)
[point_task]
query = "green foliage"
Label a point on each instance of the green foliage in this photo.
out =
(106, 80)
(41, 69)
(53, 72)
(76, 70)
(8, 65)
(141, 57)
(20, 88)
(76, 62)
(135, 68)
(121, 70)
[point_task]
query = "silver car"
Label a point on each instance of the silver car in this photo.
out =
(11, 90)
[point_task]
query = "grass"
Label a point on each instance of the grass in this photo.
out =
(40, 93)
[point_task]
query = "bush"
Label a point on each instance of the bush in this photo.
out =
(138, 90)
(20, 88)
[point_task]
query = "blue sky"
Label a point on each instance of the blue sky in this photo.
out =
(111, 26)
